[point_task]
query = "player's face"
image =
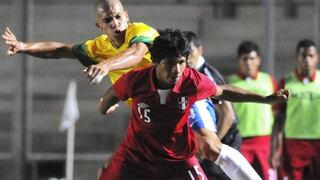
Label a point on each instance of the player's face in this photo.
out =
(169, 71)
(249, 63)
(307, 60)
(194, 56)
(114, 21)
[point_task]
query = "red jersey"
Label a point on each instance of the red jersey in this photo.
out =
(159, 134)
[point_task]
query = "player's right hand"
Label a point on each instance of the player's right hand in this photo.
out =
(96, 72)
(11, 41)
(282, 95)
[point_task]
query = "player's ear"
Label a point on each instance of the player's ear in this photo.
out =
(201, 49)
(98, 26)
(259, 60)
(127, 15)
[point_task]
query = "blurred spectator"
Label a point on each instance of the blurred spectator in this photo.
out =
(256, 120)
(297, 129)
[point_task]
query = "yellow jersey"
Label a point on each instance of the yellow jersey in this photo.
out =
(101, 48)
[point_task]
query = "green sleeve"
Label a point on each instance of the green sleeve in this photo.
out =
(143, 39)
(79, 51)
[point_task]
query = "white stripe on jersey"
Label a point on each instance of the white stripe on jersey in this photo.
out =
(205, 116)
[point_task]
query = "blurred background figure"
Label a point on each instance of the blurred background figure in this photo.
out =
(223, 118)
(296, 131)
(256, 120)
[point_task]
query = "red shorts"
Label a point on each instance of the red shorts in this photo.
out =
(188, 169)
(257, 150)
(301, 159)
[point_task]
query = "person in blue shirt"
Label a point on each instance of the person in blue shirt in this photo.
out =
(213, 115)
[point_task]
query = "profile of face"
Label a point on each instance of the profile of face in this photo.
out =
(194, 56)
(307, 60)
(112, 20)
(168, 71)
(249, 63)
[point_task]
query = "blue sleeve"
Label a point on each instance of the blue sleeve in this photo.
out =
(203, 115)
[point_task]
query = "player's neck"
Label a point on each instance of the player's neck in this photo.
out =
(311, 73)
(117, 41)
(161, 84)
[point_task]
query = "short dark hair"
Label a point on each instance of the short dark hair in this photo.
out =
(171, 43)
(305, 43)
(192, 38)
(246, 47)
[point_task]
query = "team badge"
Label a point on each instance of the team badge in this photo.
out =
(183, 102)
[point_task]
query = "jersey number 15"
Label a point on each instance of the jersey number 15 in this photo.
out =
(144, 114)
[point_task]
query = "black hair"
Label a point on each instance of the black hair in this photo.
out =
(305, 43)
(171, 43)
(246, 47)
(192, 38)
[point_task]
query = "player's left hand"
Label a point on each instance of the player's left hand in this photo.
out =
(209, 145)
(281, 95)
(95, 73)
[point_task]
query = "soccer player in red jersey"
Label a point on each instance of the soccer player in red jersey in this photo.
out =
(159, 143)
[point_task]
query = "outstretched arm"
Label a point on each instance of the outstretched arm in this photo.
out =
(235, 94)
(108, 101)
(127, 58)
(44, 50)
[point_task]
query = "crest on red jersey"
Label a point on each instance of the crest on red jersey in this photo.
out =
(183, 102)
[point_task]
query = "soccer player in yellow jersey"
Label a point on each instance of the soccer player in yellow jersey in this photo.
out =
(122, 47)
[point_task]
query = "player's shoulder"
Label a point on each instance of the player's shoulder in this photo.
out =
(100, 43)
(137, 79)
(289, 77)
(264, 74)
(140, 27)
(139, 73)
(99, 40)
(233, 77)
(101, 37)
(192, 75)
